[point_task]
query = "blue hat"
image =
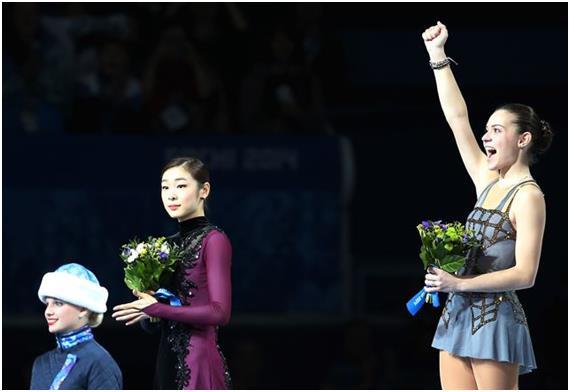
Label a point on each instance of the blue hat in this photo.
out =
(75, 284)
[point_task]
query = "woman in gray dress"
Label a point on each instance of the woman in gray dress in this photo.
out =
(482, 335)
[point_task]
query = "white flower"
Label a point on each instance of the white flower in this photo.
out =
(141, 248)
(133, 256)
(165, 248)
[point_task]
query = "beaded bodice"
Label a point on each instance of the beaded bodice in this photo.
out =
(495, 230)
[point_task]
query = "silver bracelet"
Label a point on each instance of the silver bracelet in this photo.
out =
(441, 64)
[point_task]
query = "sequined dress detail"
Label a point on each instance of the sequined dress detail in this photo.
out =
(189, 355)
(488, 325)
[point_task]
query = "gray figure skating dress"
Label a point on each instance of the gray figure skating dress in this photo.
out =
(488, 325)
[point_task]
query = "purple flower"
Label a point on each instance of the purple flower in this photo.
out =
(444, 227)
(126, 252)
(425, 224)
(163, 256)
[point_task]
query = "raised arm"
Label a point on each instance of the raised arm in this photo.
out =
(455, 109)
(217, 257)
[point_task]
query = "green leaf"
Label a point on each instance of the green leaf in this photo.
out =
(424, 255)
(452, 263)
(439, 251)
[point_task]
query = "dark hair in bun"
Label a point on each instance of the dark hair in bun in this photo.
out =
(528, 121)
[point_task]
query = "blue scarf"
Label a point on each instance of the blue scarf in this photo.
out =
(65, 342)
(73, 338)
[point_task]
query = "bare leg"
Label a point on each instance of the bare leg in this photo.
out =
(491, 374)
(455, 372)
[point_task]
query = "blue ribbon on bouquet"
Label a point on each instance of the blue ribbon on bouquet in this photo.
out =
(165, 294)
(418, 300)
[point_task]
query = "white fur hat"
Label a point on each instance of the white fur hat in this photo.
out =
(75, 284)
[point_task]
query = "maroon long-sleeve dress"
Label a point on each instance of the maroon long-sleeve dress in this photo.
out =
(189, 356)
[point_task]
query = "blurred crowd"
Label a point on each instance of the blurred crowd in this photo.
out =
(169, 68)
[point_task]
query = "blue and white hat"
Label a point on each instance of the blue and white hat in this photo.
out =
(75, 284)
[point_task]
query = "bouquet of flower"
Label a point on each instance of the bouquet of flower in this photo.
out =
(445, 246)
(149, 264)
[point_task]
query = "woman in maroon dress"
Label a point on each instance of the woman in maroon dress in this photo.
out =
(189, 356)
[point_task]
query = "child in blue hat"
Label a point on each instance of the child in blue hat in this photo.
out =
(75, 303)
